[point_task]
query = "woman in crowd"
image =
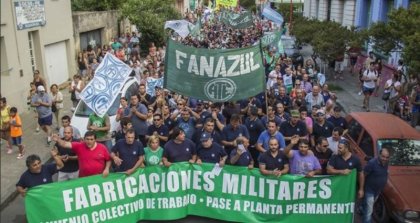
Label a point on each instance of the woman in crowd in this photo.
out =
(57, 104)
(153, 152)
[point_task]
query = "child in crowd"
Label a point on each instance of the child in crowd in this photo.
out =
(16, 131)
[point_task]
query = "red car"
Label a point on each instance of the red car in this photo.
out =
(368, 132)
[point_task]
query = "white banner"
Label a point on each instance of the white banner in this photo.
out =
(182, 27)
(103, 89)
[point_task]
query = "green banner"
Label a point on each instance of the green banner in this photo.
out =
(237, 20)
(270, 38)
(159, 193)
(214, 74)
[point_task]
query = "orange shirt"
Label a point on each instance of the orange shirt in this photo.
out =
(16, 131)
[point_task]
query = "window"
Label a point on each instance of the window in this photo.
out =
(4, 63)
(31, 42)
(366, 144)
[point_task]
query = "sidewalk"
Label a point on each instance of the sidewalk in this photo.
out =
(349, 99)
(35, 143)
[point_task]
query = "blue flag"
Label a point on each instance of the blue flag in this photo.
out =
(272, 15)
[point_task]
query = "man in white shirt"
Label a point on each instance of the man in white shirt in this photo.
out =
(369, 77)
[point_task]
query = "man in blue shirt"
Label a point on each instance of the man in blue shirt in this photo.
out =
(232, 131)
(262, 143)
(128, 153)
(240, 156)
(37, 173)
(376, 176)
(178, 149)
(345, 162)
(210, 152)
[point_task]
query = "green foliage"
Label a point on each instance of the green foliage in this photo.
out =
(248, 4)
(328, 39)
(401, 32)
(149, 16)
(94, 5)
(284, 10)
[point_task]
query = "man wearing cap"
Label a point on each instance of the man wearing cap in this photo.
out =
(321, 127)
(42, 101)
(293, 127)
(344, 162)
(210, 152)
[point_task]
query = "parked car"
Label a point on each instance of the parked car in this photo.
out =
(368, 132)
(292, 50)
(81, 114)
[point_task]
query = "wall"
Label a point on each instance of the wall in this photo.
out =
(58, 28)
(337, 7)
(107, 21)
(349, 13)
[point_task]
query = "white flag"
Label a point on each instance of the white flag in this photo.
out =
(182, 27)
(103, 89)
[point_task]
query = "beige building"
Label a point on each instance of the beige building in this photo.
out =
(35, 34)
(341, 11)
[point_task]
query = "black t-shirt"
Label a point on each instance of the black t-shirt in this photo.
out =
(255, 127)
(212, 154)
(323, 159)
(71, 165)
(271, 162)
(179, 152)
(338, 122)
(161, 130)
(244, 160)
(289, 130)
(324, 130)
(28, 179)
(129, 153)
(339, 163)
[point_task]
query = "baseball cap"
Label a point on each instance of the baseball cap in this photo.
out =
(205, 136)
(344, 141)
(294, 113)
(41, 88)
(200, 102)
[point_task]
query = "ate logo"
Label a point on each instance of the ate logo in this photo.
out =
(220, 89)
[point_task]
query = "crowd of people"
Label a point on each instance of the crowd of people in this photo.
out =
(295, 127)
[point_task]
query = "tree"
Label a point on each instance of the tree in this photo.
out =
(149, 16)
(94, 5)
(400, 33)
(328, 39)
